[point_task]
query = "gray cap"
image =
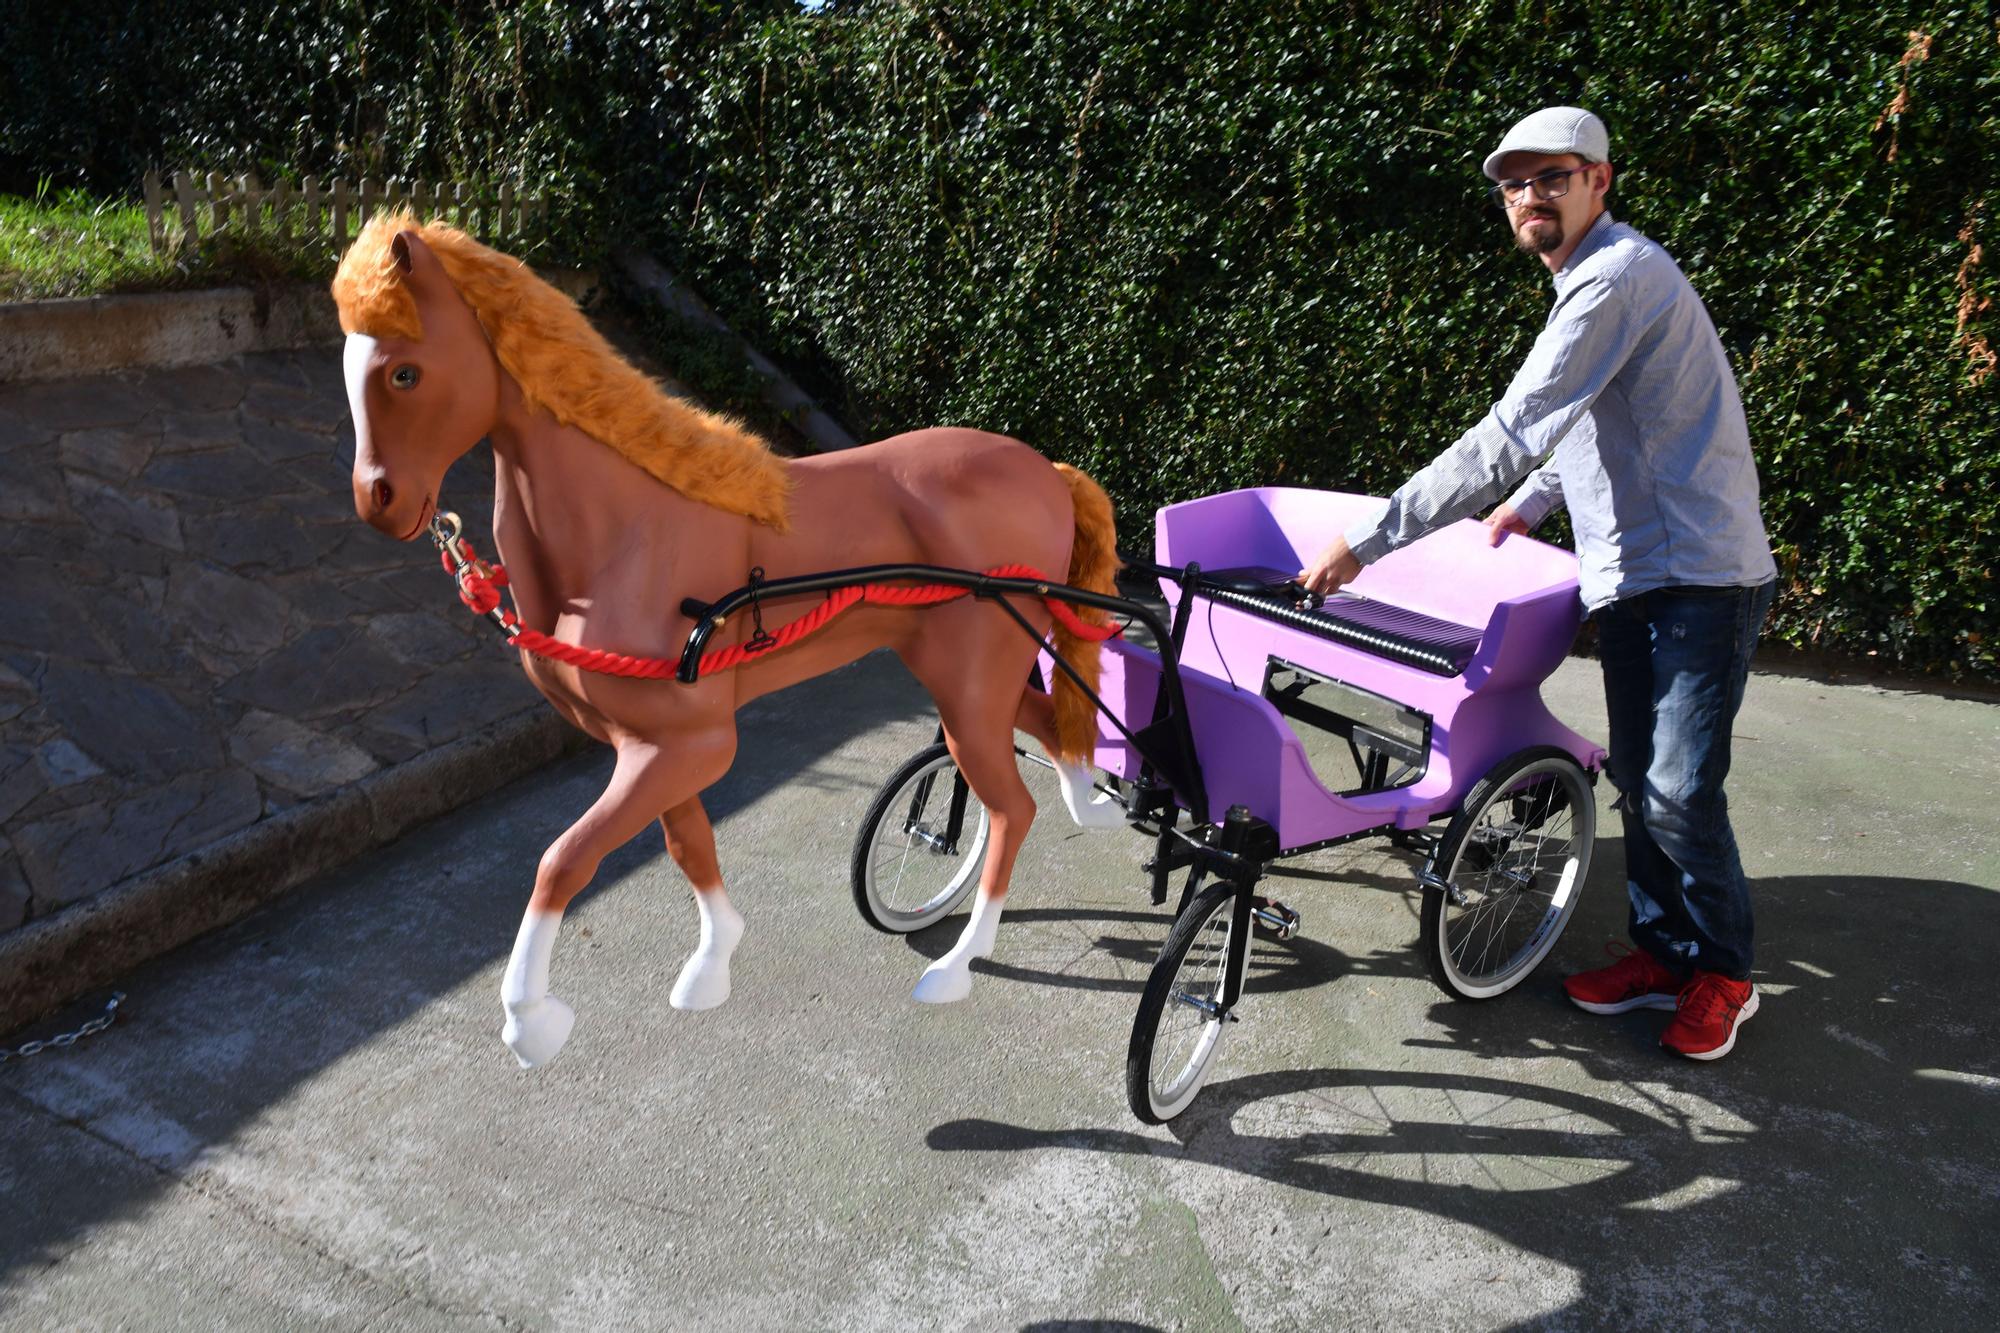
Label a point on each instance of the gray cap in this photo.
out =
(1554, 129)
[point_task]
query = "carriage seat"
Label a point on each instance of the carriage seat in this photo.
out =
(1395, 632)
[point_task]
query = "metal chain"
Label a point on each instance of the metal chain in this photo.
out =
(95, 1025)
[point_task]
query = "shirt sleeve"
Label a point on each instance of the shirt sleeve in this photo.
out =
(1539, 496)
(1589, 336)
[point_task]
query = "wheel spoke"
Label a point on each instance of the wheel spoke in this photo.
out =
(1514, 871)
(906, 875)
(1185, 1028)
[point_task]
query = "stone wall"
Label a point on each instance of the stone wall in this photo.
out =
(195, 631)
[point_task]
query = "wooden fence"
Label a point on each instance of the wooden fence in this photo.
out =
(334, 209)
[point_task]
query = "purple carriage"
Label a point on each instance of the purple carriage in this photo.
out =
(1412, 698)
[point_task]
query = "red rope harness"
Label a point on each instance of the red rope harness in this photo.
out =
(479, 586)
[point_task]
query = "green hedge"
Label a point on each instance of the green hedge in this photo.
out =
(580, 97)
(1200, 245)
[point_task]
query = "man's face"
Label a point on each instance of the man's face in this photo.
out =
(1540, 226)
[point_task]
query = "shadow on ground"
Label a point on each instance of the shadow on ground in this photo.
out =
(1132, 936)
(1858, 1109)
(300, 986)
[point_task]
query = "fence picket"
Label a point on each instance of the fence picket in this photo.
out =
(184, 193)
(155, 224)
(281, 216)
(496, 215)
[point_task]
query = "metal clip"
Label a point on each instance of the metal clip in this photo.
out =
(758, 641)
(446, 531)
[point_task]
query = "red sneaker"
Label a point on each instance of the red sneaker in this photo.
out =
(1711, 1009)
(1635, 981)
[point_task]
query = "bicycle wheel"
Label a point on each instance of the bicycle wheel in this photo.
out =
(1177, 1031)
(1508, 873)
(909, 870)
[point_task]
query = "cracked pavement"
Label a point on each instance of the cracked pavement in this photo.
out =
(307, 1120)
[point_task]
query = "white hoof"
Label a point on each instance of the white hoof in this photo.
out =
(1090, 808)
(703, 983)
(946, 981)
(537, 1030)
(704, 978)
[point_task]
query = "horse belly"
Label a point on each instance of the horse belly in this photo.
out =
(608, 708)
(848, 638)
(963, 499)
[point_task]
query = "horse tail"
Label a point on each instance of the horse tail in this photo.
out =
(1093, 564)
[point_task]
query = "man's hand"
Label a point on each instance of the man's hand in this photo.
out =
(1501, 522)
(1335, 568)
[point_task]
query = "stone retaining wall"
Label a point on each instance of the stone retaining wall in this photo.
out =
(201, 648)
(41, 340)
(195, 631)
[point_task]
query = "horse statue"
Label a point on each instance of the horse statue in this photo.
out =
(614, 502)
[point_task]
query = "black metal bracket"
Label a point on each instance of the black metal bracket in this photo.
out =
(759, 641)
(1181, 763)
(1249, 843)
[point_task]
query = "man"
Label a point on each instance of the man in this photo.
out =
(1628, 387)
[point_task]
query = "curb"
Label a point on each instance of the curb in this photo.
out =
(47, 963)
(96, 335)
(92, 335)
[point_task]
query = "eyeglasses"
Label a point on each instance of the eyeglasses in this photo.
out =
(1548, 185)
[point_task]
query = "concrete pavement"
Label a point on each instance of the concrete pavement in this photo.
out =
(307, 1120)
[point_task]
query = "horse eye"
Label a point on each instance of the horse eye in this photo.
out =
(404, 377)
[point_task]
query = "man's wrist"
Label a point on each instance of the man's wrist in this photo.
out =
(1368, 544)
(1531, 507)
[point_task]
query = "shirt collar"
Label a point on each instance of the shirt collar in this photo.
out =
(1594, 240)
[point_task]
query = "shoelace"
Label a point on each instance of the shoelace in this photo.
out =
(1630, 960)
(1619, 953)
(1705, 1000)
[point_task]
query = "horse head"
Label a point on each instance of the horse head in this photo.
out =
(422, 380)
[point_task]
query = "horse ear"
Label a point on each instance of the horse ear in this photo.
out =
(416, 262)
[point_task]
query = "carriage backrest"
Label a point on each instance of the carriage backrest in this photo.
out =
(1521, 595)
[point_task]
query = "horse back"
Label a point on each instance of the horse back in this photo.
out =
(944, 496)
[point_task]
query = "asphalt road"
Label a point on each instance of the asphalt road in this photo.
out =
(307, 1120)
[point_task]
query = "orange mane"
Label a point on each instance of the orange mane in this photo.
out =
(565, 366)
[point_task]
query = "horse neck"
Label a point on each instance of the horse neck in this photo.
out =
(571, 505)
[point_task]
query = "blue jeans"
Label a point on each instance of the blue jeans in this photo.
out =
(1675, 662)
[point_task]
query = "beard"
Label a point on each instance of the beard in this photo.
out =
(1542, 240)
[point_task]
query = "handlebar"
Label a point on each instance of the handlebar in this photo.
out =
(1242, 582)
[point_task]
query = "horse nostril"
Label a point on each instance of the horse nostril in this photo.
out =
(382, 495)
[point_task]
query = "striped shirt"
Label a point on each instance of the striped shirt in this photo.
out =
(1628, 387)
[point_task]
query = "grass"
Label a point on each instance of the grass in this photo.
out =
(73, 244)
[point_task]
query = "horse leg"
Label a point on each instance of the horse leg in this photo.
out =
(1090, 808)
(704, 979)
(985, 755)
(644, 782)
